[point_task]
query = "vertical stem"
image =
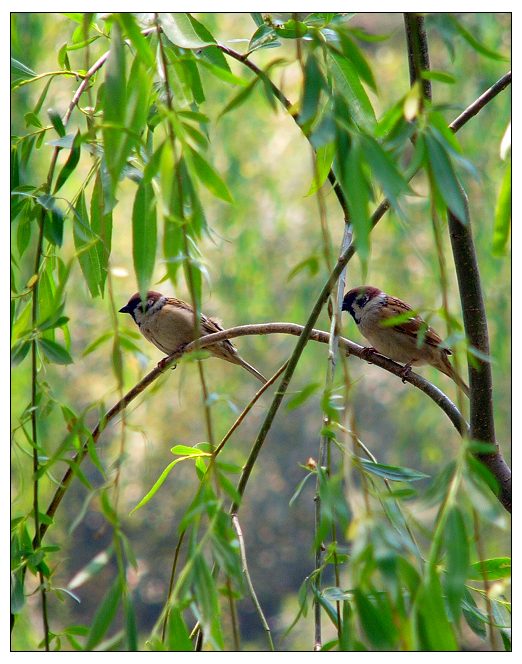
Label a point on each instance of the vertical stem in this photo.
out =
(34, 425)
(418, 55)
(324, 445)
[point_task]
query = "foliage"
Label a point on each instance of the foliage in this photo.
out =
(171, 158)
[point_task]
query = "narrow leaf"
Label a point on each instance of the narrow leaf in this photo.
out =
(180, 31)
(210, 178)
(502, 214)
(54, 352)
(144, 236)
(445, 178)
(85, 243)
(140, 43)
(349, 85)
(395, 473)
(492, 568)
(157, 484)
(457, 560)
(104, 615)
(70, 164)
(56, 121)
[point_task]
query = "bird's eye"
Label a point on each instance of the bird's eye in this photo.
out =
(361, 300)
(149, 303)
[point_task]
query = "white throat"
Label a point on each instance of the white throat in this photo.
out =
(370, 309)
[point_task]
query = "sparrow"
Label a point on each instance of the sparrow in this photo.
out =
(371, 308)
(169, 324)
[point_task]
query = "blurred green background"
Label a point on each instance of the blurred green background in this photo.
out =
(256, 242)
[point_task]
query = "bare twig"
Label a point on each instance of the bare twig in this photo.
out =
(479, 103)
(251, 590)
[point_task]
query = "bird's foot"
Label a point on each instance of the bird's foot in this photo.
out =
(163, 363)
(405, 372)
(367, 353)
(177, 351)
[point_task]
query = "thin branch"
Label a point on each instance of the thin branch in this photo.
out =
(479, 103)
(289, 107)
(251, 590)
(248, 408)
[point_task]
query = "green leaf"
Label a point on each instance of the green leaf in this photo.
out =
(473, 616)
(299, 489)
(354, 54)
(502, 215)
(222, 73)
(475, 44)
(70, 164)
(186, 450)
(19, 351)
(104, 615)
(313, 84)
(101, 224)
(140, 43)
(240, 98)
(376, 619)
(349, 85)
(114, 106)
(157, 484)
(444, 178)
(457, 560)
(178, 637)
(302, 396)
(179, 30)
(324, 157)
(206, 598)
(56, 121)
(209, 177)
(264, 36)
(356, 190)
(392, 182)
(291, 29)
(85, 242)
(18, 66)
(492, 568)
(434, 631)
(144, 236)
(54, 352)
(394, 473)
(257, 17)
(434, 75)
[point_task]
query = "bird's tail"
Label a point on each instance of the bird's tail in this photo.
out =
(450, 371)
(239, 360)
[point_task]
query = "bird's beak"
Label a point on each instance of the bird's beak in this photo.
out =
(125, 310)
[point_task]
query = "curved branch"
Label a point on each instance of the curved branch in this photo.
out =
(294, 329)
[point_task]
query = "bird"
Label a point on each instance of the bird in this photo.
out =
(371, 308)
(169, 324)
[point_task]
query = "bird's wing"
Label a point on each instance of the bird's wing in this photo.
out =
(413, 325)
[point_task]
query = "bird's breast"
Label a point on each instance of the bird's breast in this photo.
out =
(168, 328)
